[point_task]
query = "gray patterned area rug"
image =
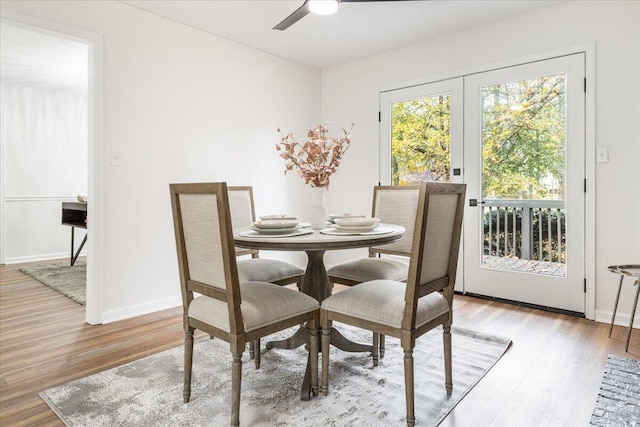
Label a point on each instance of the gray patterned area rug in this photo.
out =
(69, 280)
(148, 392)
(618, 401)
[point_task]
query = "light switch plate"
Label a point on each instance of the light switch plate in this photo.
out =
(116, 158)
(602, 155)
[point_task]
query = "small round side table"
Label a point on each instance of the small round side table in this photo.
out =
(631, 270)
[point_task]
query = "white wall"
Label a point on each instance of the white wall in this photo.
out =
(350, 93)
(44, 147)
(180, 105)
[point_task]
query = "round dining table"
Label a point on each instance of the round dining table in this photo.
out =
(316, 281)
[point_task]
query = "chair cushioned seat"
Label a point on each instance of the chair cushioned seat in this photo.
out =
(262, 304)
(366, 269)
(267, 270)
(382, 301)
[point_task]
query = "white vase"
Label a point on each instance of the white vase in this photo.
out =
(319, 212)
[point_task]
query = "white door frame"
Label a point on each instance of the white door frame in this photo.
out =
(94, 304)
(590, 157)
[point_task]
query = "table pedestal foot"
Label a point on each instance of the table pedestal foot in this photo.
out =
(305, 391)
(300, 337)
(339, 341)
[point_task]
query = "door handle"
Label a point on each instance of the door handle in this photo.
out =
(475, 202)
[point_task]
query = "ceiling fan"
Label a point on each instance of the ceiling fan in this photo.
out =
(320, 7)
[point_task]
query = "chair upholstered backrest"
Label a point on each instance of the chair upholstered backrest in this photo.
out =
(396, 205)
(436, 244)
(241, 206)
(204, 241)
(242, 211)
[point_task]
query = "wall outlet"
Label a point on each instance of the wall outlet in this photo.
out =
(602, 155)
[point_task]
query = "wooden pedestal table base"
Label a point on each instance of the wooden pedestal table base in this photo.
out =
(316, 281)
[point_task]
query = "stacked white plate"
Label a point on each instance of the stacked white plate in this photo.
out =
(346, 216)
(360, 225)
(280, 217)
(276, 226)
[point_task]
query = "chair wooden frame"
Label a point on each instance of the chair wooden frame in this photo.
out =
(376, 252)
(255, 253)
(237, 337)
(254, 347)
(414, 289)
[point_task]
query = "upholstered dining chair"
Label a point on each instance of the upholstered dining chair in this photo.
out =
(226, 308)
(407, 310)
(393, 205)
(256, 268)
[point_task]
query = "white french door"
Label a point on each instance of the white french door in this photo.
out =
(515, 136)
(525, 170)
(421, 128)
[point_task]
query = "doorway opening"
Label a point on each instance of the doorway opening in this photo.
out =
(34, 184)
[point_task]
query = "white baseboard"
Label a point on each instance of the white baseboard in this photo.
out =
(622, 318)
(140, 309)
(41, 257)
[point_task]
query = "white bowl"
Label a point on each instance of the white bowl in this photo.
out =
(357, 222)
(276, 224)
(278, 217)
(347, 215)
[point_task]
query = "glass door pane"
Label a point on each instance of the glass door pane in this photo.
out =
(524, 175)
(421, 133)
(421, 140)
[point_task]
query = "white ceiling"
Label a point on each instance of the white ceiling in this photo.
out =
(358, 30)
(42, 61)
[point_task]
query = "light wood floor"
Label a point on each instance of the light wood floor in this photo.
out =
(549, 377)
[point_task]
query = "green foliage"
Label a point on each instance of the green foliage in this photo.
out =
(420, 140)
(523, 139)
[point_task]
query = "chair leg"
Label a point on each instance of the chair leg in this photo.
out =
(375, 348)
(236, 380)
(256, 346)
(326, 331)
(448, 381)
(313, 357)
(408, 387)
(381, 346)
(188, 362)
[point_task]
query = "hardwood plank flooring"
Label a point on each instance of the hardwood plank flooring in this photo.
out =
(549, 377)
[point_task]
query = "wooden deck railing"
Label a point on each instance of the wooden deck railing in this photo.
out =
(525, 229)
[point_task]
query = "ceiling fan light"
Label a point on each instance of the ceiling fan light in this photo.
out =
(323, 7)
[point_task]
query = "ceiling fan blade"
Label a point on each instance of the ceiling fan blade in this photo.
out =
(294, 17)
(362, 1)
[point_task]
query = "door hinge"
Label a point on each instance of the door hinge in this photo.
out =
(585, 285)
(379, 116)
(585, 185)
(585, 85)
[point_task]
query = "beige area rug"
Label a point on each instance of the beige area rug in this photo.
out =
(69, 280)
(148, 392)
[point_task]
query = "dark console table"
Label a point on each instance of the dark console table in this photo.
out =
(74, 214)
